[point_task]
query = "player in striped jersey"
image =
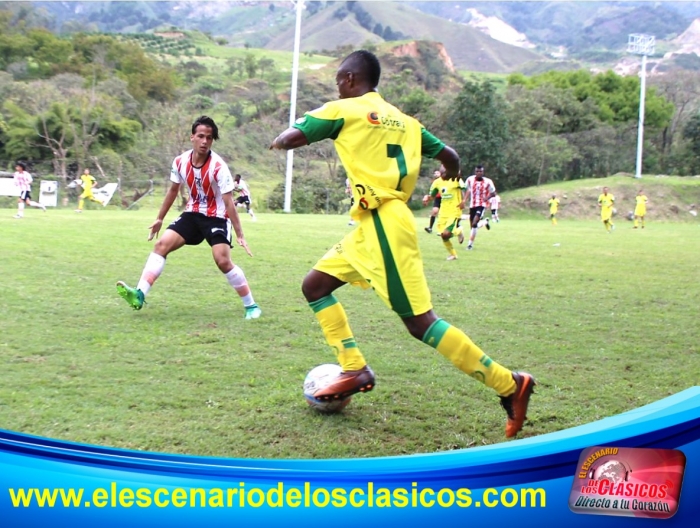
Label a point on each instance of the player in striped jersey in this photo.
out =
(495, 203)
(23, 180)
(209, 213)
(348, 191)
(240, 187)
(381, 150)
(479, 190)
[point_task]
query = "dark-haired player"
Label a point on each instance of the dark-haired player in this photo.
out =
(209, 213)
(480, 190)
(381, 150)
(23, 180)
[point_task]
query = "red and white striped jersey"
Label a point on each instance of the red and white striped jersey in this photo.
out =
(495, 202)
(207, 183)
(23, 180)
(241, 188)
(479, 191)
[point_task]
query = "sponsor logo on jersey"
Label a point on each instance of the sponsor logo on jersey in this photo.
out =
(373, 117)
(386, 121)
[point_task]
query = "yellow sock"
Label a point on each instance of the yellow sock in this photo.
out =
(450, 248)
(469, 358)
(81, 203)
(554, 221)
(334, 323)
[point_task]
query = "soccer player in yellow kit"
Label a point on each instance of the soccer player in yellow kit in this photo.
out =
(553, 208)
(451, 205)
(605, 202)
(88, 182)
(640, 209)
(381, 150)
(436, 201)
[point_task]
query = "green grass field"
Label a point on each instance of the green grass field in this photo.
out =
(606, 323)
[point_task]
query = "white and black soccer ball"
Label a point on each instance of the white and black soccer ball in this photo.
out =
(318, 378)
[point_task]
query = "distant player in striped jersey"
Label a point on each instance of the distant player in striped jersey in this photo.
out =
(451, 207)
(209, 213)
(479, 191)
(240, 187)
(348, 191)
(495, 204)
(23, 180)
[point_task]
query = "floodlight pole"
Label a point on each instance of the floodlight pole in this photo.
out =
(642, 45)
(299, 5)
(640, 128)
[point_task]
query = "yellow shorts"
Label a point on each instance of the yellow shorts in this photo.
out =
(382, 253)
(640, 211)
(448, 223)
(87, 194)
(606, 214)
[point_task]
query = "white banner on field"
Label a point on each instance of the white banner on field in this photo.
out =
(48, 193)
(8, 187)
(105, 193)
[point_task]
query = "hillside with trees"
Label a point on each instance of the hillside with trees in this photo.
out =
(123, 104)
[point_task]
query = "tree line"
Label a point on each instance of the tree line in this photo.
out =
(88, 100)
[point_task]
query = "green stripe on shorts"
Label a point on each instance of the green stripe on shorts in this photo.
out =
(397, 294)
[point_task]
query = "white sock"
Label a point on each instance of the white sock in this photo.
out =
(151, 271)
(20, 208)
(236, 278)
(35, 204)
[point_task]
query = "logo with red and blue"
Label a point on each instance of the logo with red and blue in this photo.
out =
(628, 482)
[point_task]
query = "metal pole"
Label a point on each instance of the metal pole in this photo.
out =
(299, 4)
(640, 131)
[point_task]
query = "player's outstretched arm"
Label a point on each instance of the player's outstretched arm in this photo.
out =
(168, 201)
(289, 139)
(235, 221)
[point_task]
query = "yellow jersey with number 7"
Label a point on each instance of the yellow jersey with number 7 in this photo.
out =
(379, 146)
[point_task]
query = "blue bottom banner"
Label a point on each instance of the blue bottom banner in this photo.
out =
(628, 470)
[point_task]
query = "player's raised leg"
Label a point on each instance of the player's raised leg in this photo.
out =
(513, 388)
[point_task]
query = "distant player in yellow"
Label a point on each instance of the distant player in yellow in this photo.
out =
(88, 182)
(605, 202)
(553, 208)
(640, 209)
(451, 205)
(381, 149)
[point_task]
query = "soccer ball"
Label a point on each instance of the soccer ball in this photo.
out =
(318, 378)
